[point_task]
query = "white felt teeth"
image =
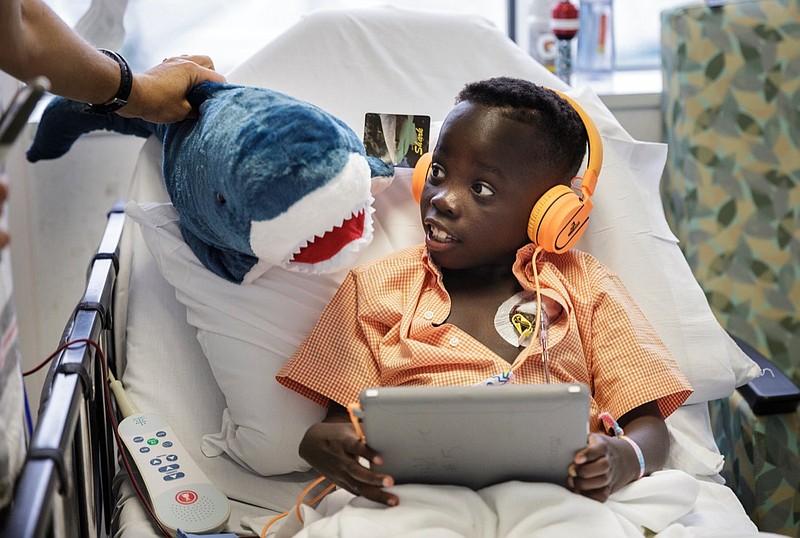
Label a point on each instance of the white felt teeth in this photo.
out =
(276, 241)
(353, 214)
(345, 256)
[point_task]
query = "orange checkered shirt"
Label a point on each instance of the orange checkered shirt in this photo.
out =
(386, 327)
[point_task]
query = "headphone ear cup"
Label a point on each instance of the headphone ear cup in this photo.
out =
(558, 219)
(420, 175)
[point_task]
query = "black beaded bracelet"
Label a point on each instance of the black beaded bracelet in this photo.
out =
(124, 91)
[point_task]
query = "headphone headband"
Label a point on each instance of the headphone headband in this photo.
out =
(559, 217)
(595, 144)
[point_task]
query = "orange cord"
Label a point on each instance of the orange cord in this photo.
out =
(270, 522)
(315, 500)
(301, 502)
(351, 410)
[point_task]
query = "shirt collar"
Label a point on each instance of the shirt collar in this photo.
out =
(430, 266)
(524, 256)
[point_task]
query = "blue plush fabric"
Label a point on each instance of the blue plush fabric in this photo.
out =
(250, 156)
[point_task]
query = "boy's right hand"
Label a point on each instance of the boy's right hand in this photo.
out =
(333, 448)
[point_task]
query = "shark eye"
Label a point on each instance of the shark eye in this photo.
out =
(220, 198)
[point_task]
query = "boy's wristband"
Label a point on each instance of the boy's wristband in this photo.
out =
(614, 426)
(639, 454)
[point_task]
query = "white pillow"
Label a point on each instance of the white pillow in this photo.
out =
(246, 332)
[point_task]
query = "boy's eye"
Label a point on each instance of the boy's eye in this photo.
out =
(482, 189)
(436, 172)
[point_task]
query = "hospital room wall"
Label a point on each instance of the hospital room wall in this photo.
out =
(58, 208)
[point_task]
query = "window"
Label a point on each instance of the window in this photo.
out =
(636, 27)
(637, 32)
(231, 30)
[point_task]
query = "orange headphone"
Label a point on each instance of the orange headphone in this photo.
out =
(559, 217)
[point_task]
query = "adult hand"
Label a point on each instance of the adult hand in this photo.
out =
(158, 95)
(334, 449)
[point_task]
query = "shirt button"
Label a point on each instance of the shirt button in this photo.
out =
(454, 341)
(428, 314)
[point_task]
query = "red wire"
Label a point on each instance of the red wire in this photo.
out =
(48, 359)
(112, 419)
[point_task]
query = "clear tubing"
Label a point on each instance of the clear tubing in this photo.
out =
(543, 341)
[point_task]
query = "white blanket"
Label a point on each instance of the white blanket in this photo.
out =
(667, 504)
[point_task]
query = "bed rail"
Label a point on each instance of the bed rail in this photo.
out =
(65, 486)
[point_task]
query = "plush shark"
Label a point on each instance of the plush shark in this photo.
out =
(258, 179)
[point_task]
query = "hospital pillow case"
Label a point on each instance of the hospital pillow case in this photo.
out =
(248, 331)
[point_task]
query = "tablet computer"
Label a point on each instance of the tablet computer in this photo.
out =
(476, 436)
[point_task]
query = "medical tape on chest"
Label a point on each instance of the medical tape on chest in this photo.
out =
(521, 321)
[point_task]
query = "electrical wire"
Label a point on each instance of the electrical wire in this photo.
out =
(109, 378)
(112, 418)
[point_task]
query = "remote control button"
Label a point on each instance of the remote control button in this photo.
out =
(168, 468)
(167, 444)
(152, 441)
(138, 439)
(144, 449)
(161, 434)
(186, 496)
(173, 476)
(155, 461)
(172, 457)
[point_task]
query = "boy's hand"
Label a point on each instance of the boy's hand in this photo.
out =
(333, 448)
(607, 464)
(602, 467)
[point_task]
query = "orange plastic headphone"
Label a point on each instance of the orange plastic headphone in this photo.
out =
(559, 217)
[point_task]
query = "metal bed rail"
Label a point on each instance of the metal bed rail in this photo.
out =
(64, 489)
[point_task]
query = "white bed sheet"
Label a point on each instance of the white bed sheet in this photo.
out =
(166, 372)
(667, 504)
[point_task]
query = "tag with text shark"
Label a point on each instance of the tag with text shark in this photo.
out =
(397, 139)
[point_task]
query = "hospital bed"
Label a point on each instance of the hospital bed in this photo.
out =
(201, 352)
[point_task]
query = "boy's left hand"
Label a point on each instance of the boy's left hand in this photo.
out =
(602, 467)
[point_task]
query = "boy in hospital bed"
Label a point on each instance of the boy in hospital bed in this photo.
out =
(427, 315)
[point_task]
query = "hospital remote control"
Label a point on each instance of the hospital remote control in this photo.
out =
(181, 494)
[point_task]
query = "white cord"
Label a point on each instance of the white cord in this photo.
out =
(124, 403)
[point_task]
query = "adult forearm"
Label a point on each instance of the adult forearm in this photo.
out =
(35, 41)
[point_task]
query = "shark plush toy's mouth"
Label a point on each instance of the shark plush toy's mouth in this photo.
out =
(339, 246)
(324, 248)
(323, 231)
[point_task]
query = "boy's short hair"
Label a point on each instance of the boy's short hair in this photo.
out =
(560, 140)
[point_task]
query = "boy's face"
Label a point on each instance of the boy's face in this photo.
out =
(477, 201)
